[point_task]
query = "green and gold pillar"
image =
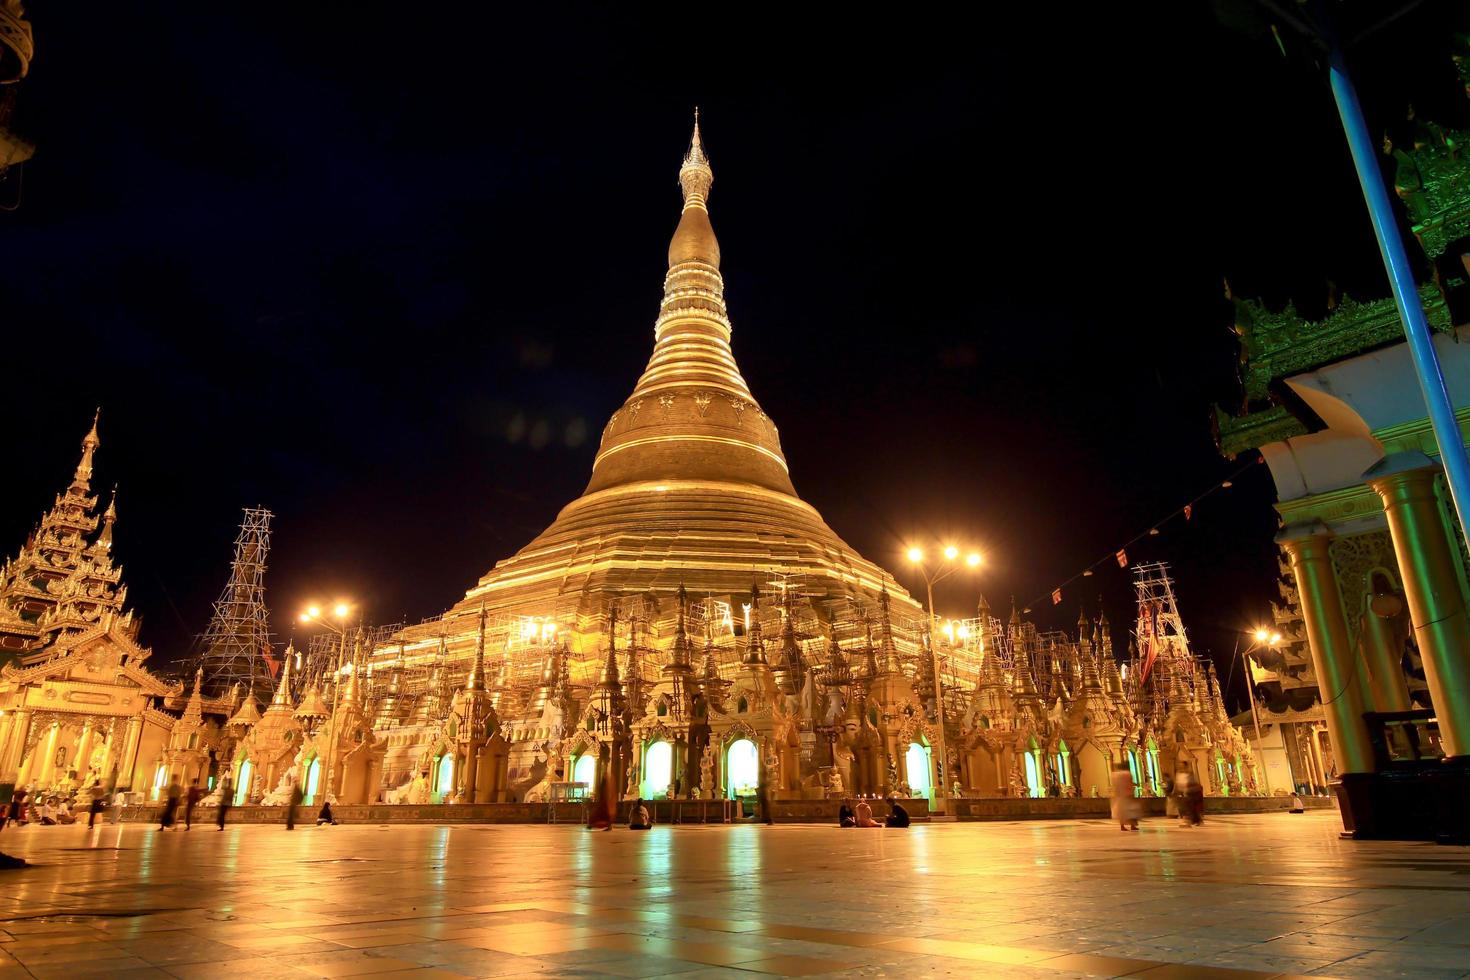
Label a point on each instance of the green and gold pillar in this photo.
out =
(1383, 651)
(1333, 655)
(1432, 588)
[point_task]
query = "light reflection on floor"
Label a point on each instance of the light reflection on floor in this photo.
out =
(1256, 896)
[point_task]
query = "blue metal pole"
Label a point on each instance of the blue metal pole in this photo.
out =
(1405, 292)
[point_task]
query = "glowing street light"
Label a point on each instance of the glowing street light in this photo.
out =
(951, 565)
(313, 614)
(1263, 637)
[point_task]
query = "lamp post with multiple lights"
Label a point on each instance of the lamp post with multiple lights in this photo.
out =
(932, 576)
(1267, 638)
(313, 614)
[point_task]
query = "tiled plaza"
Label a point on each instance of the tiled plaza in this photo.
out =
(1240, 897)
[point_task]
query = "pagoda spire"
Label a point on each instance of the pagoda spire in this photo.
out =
(755, 647)
(476, 680)
(82, 480)
(283, 690)
(885, 634)
(692, 393)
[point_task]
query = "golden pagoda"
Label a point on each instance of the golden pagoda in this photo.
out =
(689, 486)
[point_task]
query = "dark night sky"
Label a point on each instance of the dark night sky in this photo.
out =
(377, 271)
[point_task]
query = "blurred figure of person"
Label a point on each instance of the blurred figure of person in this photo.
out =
(845, 815)
(191, 799)
(97, 803)
(638, 818)
(1297, 806)
(863, 814)
(325, 816)
(1189, 795)
(226, 800)
(64, 815)
(897, 815)
(170, 804)
(46, 814)
(119, 801)
(1125, 805)
(297, 795)
(15, 812)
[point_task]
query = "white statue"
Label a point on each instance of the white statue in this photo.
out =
(707, 773)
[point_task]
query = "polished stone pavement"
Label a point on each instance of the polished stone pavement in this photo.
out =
(1241, 897)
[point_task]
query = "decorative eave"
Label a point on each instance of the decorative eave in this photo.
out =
(1238, 434)
(1279, 345)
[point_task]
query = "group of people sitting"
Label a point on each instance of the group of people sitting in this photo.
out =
(47, 811)
(862, 814)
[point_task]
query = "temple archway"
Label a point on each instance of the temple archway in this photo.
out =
(917, 769)
(242, 783)
(313, 782)
(658, 770)
(443, 778)
(742, 769)
(584, 771)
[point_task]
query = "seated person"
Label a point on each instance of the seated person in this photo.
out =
(324, 815)
(47, 814)
(863, 814)
(845, 816)
(64, 814)
(638, 818)
(897, 815)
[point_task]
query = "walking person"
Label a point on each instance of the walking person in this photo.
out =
(1126, 807)
(226, 799)
(296, 797)
(95, 805)
(16, 811)
(191, 799)
(170, 805)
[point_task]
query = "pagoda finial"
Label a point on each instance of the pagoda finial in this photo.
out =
(695, 176)
(82, 480)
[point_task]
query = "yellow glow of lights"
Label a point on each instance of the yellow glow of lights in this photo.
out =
(313, 612)
(305, 618)
(340, 611)
(951, 552)
(1275, 638)
(1262, 636)
(948, 630)
(973, 560)
(964, 632)
(916, 555)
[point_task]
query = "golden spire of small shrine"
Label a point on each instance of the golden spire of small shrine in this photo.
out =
(109, 517)
(83, 478)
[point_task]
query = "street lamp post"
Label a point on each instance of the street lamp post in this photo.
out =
(313, 614)
(972, 561)
(1269, 638)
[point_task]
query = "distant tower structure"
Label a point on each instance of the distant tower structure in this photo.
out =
(232, 649)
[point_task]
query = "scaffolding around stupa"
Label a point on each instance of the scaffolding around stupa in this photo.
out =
(232, 649)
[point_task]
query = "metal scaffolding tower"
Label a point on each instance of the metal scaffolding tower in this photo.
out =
(232, 648)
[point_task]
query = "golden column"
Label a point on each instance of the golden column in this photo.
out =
(1436, 606)
(15, 746)
(46, 757)
(1333, 656)
(1383, 649)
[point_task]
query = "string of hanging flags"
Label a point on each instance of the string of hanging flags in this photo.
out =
(1120, 556)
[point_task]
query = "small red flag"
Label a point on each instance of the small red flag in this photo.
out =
(1188, 509)
(1122, 557)
(1056, 597)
